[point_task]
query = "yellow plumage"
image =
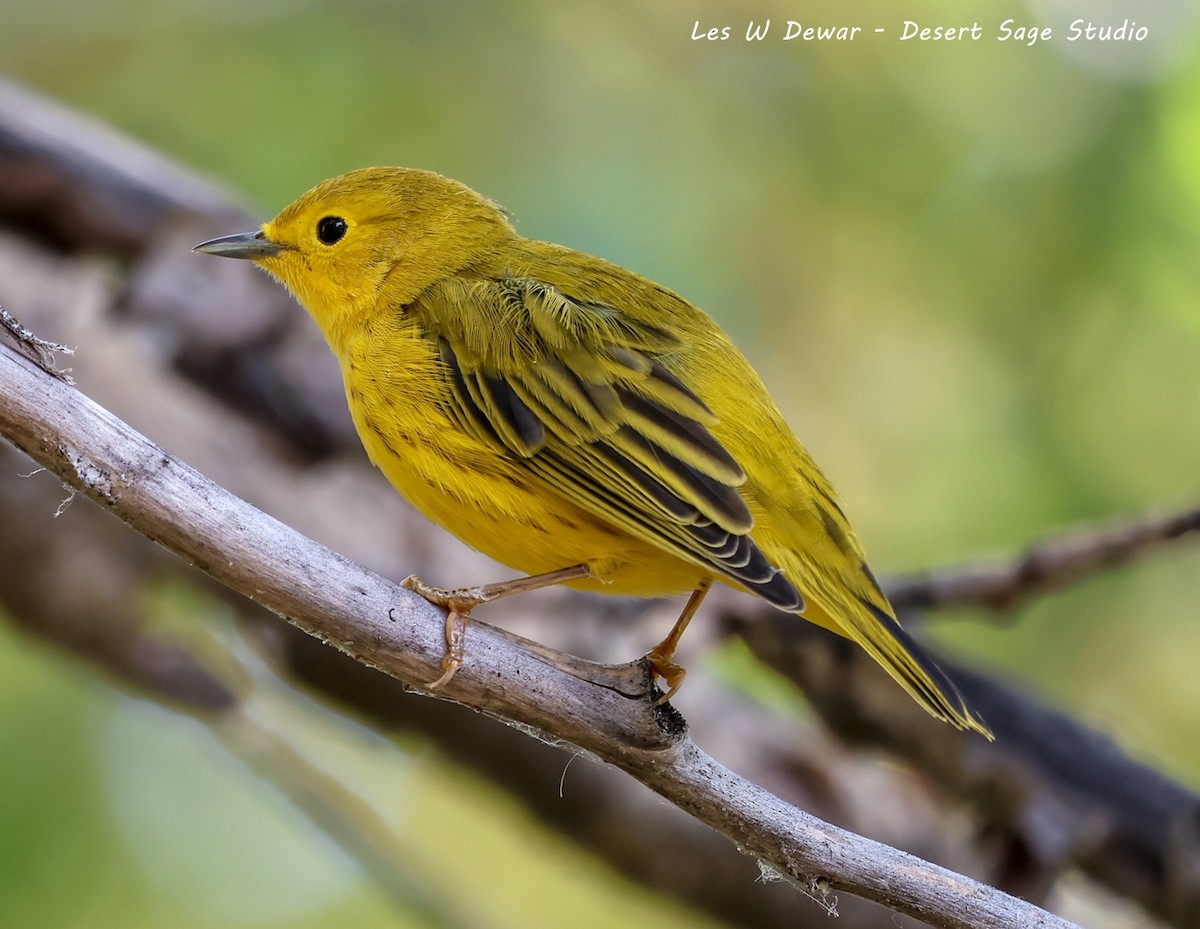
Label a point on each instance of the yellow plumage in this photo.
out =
(551, 409)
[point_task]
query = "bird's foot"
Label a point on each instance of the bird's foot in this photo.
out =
(662, 656)
(459, 602)
(662, 665)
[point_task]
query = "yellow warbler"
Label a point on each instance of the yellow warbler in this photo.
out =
(569, 418)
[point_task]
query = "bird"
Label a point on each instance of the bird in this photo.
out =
(569, 418)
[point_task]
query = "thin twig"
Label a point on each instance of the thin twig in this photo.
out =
(1049, 565)
(40, 351)
(383, 625)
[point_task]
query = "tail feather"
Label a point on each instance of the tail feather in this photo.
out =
(900, 655)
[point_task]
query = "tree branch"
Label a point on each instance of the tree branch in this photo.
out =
(604, 711)
(1048, 565)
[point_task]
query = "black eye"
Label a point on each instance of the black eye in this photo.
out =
(331, 229)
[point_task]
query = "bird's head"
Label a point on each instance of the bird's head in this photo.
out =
(371, 240)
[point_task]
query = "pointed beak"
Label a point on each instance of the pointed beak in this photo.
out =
(251, 245)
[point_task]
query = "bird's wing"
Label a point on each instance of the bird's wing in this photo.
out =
(577, 392)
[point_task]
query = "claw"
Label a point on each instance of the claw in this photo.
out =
(458, 604)
(456, 647)
(671, 673)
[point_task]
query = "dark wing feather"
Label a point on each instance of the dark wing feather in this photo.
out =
(578, 393)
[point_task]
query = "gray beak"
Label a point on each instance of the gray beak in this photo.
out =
(252, 245)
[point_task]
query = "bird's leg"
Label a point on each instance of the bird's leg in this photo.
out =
(660, 657)
(459, 602)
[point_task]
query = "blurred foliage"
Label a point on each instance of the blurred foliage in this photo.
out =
(967, 270)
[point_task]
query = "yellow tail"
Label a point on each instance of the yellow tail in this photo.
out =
(882, 637)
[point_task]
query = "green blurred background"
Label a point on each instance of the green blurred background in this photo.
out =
(967, 271)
